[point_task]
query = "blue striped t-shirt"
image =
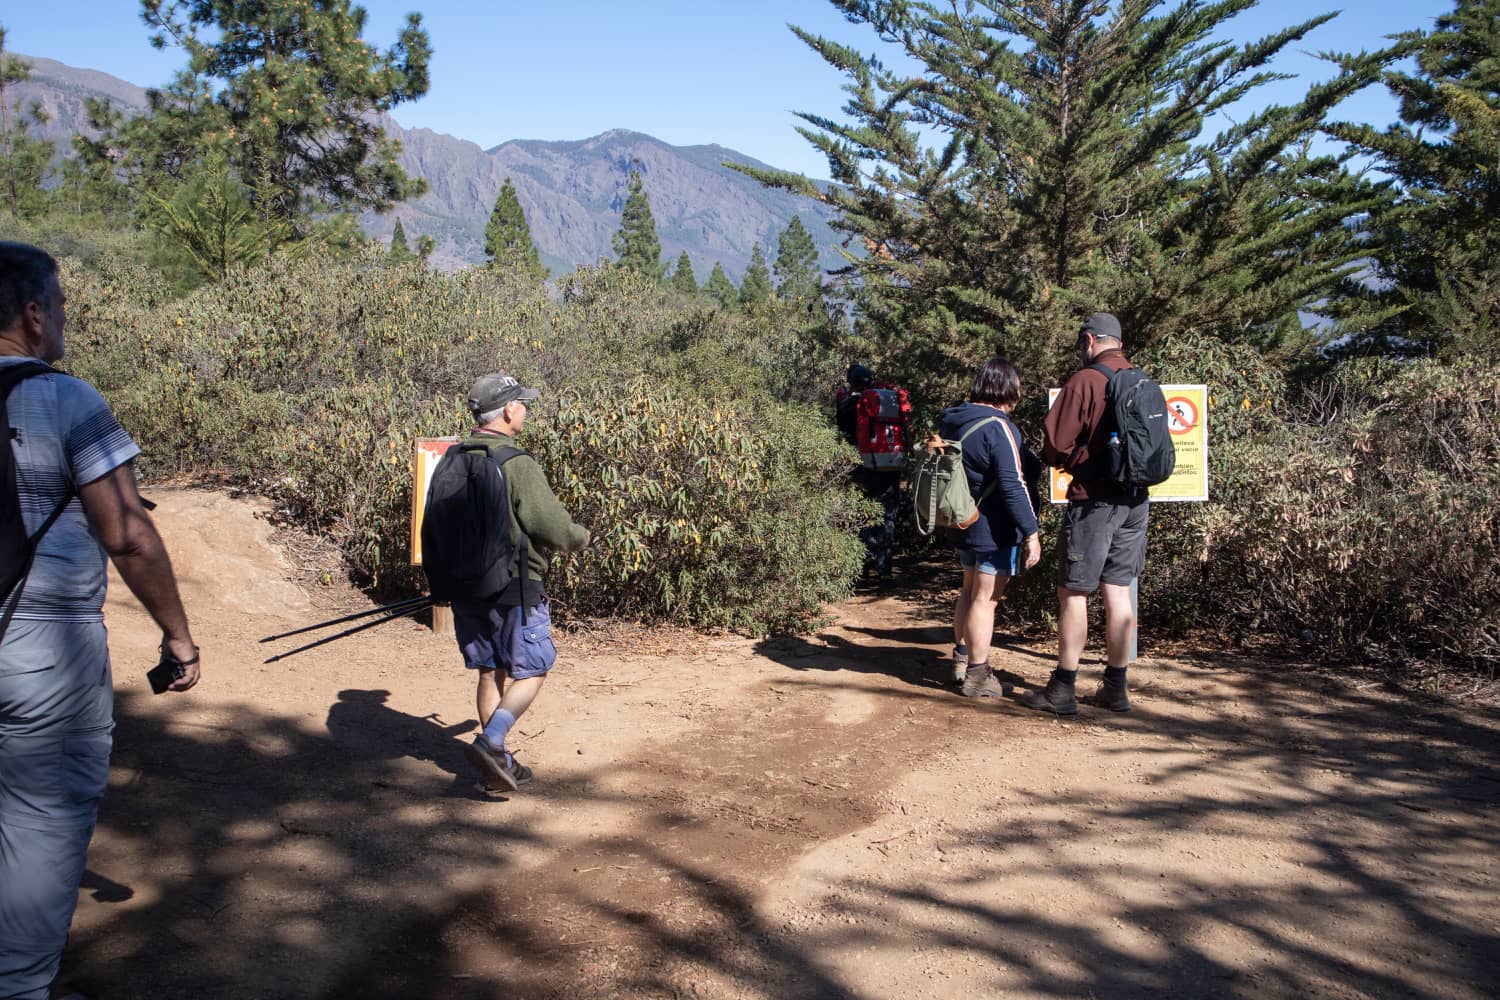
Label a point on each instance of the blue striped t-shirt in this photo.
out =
(66, 438)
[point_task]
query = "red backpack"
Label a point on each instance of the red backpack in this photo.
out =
(880, 432)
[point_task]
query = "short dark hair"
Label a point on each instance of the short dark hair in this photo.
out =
(997, 383)
(25, 273)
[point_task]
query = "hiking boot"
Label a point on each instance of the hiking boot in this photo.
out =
(500, 770)
(1114, 697)
(1056, 698)
(980, 682)
(960, 661)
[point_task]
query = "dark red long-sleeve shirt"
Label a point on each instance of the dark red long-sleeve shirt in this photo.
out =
(1076, 430)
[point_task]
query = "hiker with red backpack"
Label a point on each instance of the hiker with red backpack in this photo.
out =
(1002, 541)
(490, 524)
(1108, 429)
(872, 416)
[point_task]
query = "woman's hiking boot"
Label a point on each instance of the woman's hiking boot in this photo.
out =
(1112, 696)
(960, 663)
(980, 682)
(1057, 697)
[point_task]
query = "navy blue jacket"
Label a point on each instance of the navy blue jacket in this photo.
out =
(995, 458)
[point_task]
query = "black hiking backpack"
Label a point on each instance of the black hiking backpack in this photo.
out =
(467, 549)
(1146, 455)
(17, 548)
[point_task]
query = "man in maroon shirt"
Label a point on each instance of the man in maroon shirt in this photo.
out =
(1103, 540)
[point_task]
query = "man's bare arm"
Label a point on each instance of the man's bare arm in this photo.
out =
(124, 528)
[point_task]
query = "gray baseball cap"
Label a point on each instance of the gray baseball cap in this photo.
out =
(1102, 325)
(494, 390)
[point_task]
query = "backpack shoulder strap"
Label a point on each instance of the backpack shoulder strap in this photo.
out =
(965, 436)
(11, 374)
(1106, 370)
(975, 426)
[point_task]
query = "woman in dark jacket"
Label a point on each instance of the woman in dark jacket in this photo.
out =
(1003, 541)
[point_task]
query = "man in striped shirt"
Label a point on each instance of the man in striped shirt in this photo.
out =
(56, 695)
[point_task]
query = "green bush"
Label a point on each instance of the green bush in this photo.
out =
(714, 502)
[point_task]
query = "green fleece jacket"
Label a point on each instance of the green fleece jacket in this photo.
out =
(534, 508)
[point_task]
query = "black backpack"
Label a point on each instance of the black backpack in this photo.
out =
(468, 553)
(1146, 455)
(17, 548)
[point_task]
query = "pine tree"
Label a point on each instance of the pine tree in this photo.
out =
(1437, 246)
(682, 278)
(507, 237)
(207, 226)
(798, 277)
(755, 286)
(399, 249)
(636, 244)
(719, 288)
(1072, 173)
(23, 158)
(290, 94)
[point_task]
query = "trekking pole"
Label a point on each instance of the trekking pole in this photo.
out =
(423, 606)
(413, 601)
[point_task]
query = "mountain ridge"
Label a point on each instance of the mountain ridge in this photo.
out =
(571, 190)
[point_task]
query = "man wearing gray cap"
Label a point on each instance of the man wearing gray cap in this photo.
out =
(511, 635)
(1102, 544)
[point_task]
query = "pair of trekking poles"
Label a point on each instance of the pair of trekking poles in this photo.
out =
(389, 612)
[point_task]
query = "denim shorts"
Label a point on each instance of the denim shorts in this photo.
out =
(992, 562)
(493, 637)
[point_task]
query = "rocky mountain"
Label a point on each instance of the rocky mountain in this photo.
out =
(572, 192)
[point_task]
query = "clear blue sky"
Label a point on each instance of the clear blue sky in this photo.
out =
(685, 71)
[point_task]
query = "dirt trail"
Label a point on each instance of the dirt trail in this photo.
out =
(812, 817)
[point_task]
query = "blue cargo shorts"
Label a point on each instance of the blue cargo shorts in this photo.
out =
(56, 717)
(493, 637)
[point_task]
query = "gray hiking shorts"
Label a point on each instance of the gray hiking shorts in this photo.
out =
(1102, 541)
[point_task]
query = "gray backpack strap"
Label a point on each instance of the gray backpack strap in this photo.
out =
(965, 436)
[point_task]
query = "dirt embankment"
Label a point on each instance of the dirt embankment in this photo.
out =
(814, 817)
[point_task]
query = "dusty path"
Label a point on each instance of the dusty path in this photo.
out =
(812, 817)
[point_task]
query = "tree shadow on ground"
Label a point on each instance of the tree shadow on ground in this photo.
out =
(1379, 876)
(380, 887)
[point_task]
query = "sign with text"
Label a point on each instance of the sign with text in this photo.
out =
(429, 452)
(1187, 409)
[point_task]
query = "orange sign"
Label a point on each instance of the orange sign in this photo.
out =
(429, 452)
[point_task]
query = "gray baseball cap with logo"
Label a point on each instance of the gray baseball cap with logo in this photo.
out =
(494, 390)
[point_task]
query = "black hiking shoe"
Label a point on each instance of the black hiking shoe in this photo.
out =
(500, 770)
(980, 682)
(1056, 698)
(1114, 697)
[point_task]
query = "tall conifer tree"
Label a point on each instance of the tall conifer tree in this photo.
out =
(755, 286)
(682, 278)
(507, 237)
(1437, 246)
(399, 248)
(719, 288)
(289, 94)
(636, 244)
(797, 274)
(23, 157)
(1071, 172)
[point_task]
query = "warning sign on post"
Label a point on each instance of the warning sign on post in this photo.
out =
(430, 451)
(1187, 413)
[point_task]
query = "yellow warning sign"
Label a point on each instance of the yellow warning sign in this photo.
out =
(1187, 411)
